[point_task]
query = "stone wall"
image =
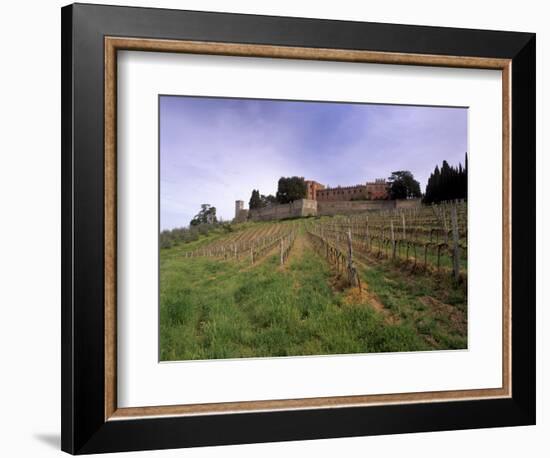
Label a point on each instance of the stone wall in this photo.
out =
(352, 206)
(241, 216)
(296, 209)
(408, 203)
(369, 191)
(308, 207)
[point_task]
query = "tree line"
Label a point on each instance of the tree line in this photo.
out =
(447, 183)
(289, 189)
(258, 200)
(401, 185)
(201, 224)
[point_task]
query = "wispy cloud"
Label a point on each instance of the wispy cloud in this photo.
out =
(216, 150)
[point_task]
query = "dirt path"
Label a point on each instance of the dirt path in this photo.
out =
(359, 296)
(298, 248)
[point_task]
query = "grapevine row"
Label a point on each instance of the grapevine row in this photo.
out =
(386, 234)
(252, 245)
(339, 259)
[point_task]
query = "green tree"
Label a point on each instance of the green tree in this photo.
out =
(268, 200)
(447, 183)
(403, 185)
(255, 200)
(206, 215)
(258, 200)
(465, 177)
(290, 189)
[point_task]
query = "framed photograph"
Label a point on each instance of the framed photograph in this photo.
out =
(281, 228)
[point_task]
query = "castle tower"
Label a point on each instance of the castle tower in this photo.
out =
(239, 206)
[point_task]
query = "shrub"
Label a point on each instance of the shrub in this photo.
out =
(170, 238)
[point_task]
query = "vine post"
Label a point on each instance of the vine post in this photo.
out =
(456, 248)
(392, 240)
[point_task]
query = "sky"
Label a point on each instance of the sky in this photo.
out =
(217, 150)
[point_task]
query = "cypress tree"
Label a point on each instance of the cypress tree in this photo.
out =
(447, 183)
(255, 200)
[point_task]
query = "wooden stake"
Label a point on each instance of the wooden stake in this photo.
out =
(367, 233)
(350, 248)
(392, 239)
(445, 225)
(456, 248)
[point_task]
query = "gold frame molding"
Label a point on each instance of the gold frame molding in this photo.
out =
(114, 44)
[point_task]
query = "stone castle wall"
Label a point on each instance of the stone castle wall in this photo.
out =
(345, 207)
(308, 207)
(241, 215)
(408, 203)
(296, 209)
(377, 190)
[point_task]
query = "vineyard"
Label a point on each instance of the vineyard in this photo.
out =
(371, 282)
(430, 238)
(252, 243)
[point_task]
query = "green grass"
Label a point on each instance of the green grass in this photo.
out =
(225, 309)
(432, 304)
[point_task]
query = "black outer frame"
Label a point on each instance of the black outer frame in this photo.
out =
(84, 429)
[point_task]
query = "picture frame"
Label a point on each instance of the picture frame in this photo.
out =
(92, 35)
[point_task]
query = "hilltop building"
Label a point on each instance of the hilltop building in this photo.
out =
(312, 188)
(241, 215)
(322, 200)
(376, 190)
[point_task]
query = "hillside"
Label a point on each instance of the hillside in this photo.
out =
(290, 287)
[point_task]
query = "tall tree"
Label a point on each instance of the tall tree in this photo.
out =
(290, 189)
(465, 177)
(206, 215)
(268, 200)
(449, 183)
(403, 185)
(255, 200)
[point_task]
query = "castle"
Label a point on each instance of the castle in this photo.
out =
(321, 200)
(241, 214)
(376, 190)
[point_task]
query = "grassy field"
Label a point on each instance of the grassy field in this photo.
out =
(212, 307)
